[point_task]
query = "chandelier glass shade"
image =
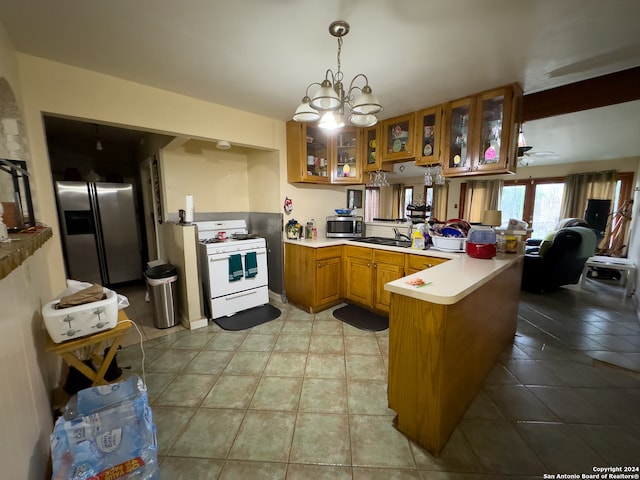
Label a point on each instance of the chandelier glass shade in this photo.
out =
(330, 101)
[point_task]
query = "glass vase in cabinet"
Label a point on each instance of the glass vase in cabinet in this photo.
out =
(346, 164)
(428, 133)
(499, 124)
(398, 138)
(308, 152)
(457, 143)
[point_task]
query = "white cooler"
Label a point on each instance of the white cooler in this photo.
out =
(82, 320)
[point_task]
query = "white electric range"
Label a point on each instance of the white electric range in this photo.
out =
(225, 245)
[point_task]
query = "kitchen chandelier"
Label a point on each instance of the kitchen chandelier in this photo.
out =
(328, 103)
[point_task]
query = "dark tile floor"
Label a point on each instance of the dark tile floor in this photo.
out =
(304, 397)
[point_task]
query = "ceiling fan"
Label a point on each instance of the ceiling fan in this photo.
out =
(527, 158)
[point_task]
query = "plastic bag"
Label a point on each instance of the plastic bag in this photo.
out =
(74, 286)
(106, 432)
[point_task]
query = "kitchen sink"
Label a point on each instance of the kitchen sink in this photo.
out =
(384, 241)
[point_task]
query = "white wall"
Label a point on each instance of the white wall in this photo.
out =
(27, 373)
(217, 179)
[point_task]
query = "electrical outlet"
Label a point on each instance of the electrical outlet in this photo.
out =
(230, 174)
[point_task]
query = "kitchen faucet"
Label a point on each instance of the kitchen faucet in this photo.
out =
(399, 236)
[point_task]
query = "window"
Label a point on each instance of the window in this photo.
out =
(546, 208)
(512, 203)
(408, 200)
(538, 201)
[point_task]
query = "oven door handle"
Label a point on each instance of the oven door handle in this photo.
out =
(238, 295)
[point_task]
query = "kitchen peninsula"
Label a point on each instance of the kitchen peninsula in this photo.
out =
(444, 337)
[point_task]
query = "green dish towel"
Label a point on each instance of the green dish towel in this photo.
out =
(251, 265)
(235, 268)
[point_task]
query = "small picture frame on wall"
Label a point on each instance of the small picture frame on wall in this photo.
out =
(354, 199)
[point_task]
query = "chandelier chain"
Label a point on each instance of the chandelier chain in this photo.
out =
(339, 72)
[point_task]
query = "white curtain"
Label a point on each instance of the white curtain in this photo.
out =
(482, 195)
(372, 203)
(440, 199)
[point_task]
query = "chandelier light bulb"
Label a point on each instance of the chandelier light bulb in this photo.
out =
(331, 121)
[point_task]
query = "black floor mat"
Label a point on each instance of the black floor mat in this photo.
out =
(360, 318)
(249, 318)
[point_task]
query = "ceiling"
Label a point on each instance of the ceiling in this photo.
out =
(260, 55)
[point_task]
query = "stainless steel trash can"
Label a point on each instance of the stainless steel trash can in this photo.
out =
(162, 293)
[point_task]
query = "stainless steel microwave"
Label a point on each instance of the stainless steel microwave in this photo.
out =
(345, 226)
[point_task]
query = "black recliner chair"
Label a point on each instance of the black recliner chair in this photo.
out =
(532, 245)
(562, 263)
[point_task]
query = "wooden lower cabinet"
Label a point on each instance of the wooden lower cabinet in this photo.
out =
(417, 263)
(366, 271)
(387, 266)
(357, 275)
(313, 276)
(439, 355)
(319, 278)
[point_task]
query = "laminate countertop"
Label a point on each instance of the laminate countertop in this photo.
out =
(447, 283)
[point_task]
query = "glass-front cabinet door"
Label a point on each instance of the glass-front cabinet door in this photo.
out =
(372, 161)
(498, 114)
(458, 141)
(345, 164)
(317, 143)
(428, 133)
(493, 111)
(308, 151)
(398, 138)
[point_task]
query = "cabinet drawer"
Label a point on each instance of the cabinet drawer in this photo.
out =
(393, 258)
(328, 252)
(358, 252)
(422, 262)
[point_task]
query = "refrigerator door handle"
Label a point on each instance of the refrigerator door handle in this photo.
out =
(95, 209)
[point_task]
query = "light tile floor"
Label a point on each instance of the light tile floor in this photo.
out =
(304, 397)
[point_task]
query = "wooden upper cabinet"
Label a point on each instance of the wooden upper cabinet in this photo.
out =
(481, 133)
(308, 150)
(499, 118)
(474, 135)
(457, 139)
(315, 155)
(398, 138)
(428, 135)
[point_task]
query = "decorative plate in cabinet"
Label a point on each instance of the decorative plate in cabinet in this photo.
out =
(398, 138)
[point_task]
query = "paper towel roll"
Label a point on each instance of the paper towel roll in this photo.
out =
(188, 211)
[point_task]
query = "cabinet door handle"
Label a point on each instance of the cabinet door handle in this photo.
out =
(428, 265)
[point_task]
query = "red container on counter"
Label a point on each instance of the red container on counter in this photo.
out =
(481, 250)
(481, 242)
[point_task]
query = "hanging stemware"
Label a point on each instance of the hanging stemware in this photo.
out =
(439, 177)
(428, 179)
(371, 182)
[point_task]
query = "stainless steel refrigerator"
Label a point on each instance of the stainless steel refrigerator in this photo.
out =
(100, 231)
